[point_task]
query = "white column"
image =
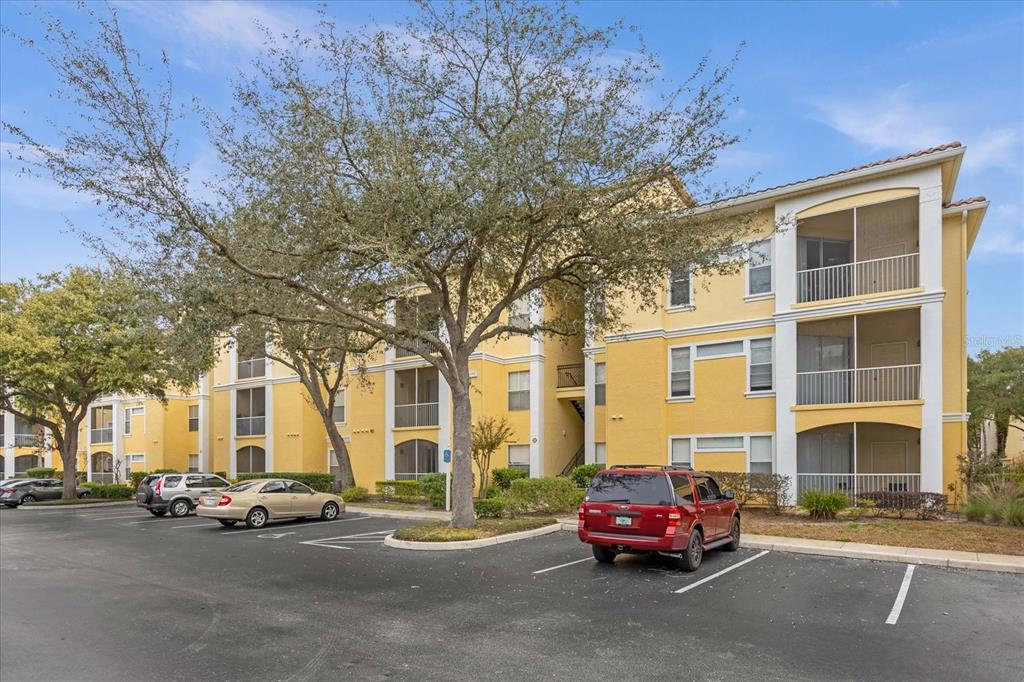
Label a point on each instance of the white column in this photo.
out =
(444, 421)
(930, 235)
(9, 435)
(205, 455)
(931, 392)
(785, 260)
(536, 394)
(118, 454)
(785, 397)
(269, 428)
(588, 408)
(232, 439)
(389, 421)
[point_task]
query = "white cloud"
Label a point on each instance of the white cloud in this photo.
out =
(1002, 234)
(22, 189)
(1002, 148)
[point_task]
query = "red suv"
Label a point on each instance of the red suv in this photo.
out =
(673, 511)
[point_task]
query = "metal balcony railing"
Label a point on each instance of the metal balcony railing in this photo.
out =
(26, 440)
(105, 435)
(864, 385)
(855, 279)
(856, 484)
(570, 376)
(416, 414)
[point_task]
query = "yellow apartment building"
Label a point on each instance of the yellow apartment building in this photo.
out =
(23, 446)
(836, 357)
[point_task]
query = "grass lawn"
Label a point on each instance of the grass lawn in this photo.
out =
(485, 528)
(958, 535)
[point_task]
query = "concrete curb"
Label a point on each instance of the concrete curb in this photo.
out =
(423, 514)
(390, 540)
(75, 507)
(977, 561)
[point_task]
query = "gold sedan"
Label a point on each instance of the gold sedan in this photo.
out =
(259, 501)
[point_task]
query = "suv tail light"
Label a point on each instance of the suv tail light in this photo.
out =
(675, 516)
(158, 486)
(579, 513)
(224, 501)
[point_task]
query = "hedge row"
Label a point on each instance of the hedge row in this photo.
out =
(40, 472)
(317, 481)
(532, 496)
(398, 490)
(770, 490)
(925, 505)
(110, 491)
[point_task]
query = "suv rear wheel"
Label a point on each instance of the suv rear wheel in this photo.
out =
(734, 542)
(180, 508)
(690, 561)
(605, 555)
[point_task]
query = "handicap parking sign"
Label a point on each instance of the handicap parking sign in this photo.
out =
(447, 456)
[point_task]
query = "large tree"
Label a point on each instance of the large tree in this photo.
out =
(67, 339)
(487, 154)
(995, 383)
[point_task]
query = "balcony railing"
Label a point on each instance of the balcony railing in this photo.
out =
(857, 484)
(864, 385)
(416, 414)
(570, 376)
(421, 348)
(102, 435)
(855, 279)
(250, 426)
(26, 440)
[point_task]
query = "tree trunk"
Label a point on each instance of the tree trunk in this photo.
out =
(346, 477)
(69, 457)
(484, 465)
(463, 515)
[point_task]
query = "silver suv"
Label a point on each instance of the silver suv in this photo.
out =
(175, 493)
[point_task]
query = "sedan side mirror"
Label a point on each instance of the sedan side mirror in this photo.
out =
(729, 495)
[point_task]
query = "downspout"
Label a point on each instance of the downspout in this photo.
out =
(963, 322)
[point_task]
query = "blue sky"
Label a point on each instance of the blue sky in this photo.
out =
(821, 87)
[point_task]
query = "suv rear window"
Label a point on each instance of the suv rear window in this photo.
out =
(652, 488)
(172, 481)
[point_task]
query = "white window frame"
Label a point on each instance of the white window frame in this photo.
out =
(601, 447)
(694, 450)
(723, 342)
(130, 412)
(770, 263)
(188, 413)
(508, 457)
(131, 458)
(509, 390)
(671, 439)
(188, 463)
(519, 313)
(604, 384)
(343, 394)
(681, 398)
(771, 436)
(751, 393)
(678, 307)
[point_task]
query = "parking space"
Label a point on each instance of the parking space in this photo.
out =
(319, 600)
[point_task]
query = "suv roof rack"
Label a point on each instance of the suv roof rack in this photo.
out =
(660, 467)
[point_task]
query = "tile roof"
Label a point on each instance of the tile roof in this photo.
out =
(965, 202)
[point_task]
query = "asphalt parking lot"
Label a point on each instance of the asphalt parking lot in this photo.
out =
(113, 593)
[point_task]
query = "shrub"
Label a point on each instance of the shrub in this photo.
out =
(1001, 502)
(40, 472)
(584, 474)
(111, 491)
(823, 505)
(317, 481)
(136, 478)
(432, 487)
(175, 471)
(771, 490)
(402, 490)
(354, 493)
(977, 509)
(925, 505)
(490, 507)
(547, 495)
(503, 477)
(222, 474)
(491, 491)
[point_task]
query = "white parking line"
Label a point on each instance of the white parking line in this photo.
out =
(356, 538)
(111, 518)
(197, 525)
(901, 596)
(545, 570)
(269, 528)
(722, 572)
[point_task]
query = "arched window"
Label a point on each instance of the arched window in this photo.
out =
(250, 460)
(101, 467)
(25, 462)
(415, 458)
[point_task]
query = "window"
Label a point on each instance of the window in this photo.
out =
(680, 372)
(599, 383)
(720, 443)
(251, 459)
(414, 459)
(679, 288)
(193, 418)
(519, 458)
(761, 365)
(683, 489)
(600, 453)
(102, 424)
(759, 268)
(215, 482)
(519, 313)
(27, 434)
(130, 412)
(23, 463)
(133, 463)
(250, 412)
(251, 361)
(707, 489)
(275, 487)
(646, 488)
(760, 454)
(416, 400)
(193, 464)
(297, 488)
(519, 390)
(102, 467)
(339, 407)
(715, 350)
(195, 481)
(172, 481)
(681, 452)
(420, 313)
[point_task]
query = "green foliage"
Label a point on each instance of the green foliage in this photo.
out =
(222, 474)
(321, 482)
(823, 505)
(976, 466)
(925, 505)
(582, 475)
(503, 477)
(543, 495)
(1000, 502)
(488, 434)
(996, 392)
(110, 491)
(490, 507)
(432, 487)
(400, 490)
(770, 490)
(491, 491)
(136, 478)
(40, 472)
(355, 493)
(977, 509)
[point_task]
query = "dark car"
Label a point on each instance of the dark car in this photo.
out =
(31, 490)
(175, 493)
(672, 511)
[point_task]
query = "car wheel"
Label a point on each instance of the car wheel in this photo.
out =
(690, 561)
(734, 543)
(180, 508)
(256, 518)
(605, 555)
(330, 511)
(28, 498)
(227, 522)
(157, 512)
(85, 496)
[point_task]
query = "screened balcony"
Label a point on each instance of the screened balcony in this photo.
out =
(859, 458)
(416, 397)
(865, 250)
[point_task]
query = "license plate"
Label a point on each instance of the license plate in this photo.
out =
(623, 521)
(211, 501)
